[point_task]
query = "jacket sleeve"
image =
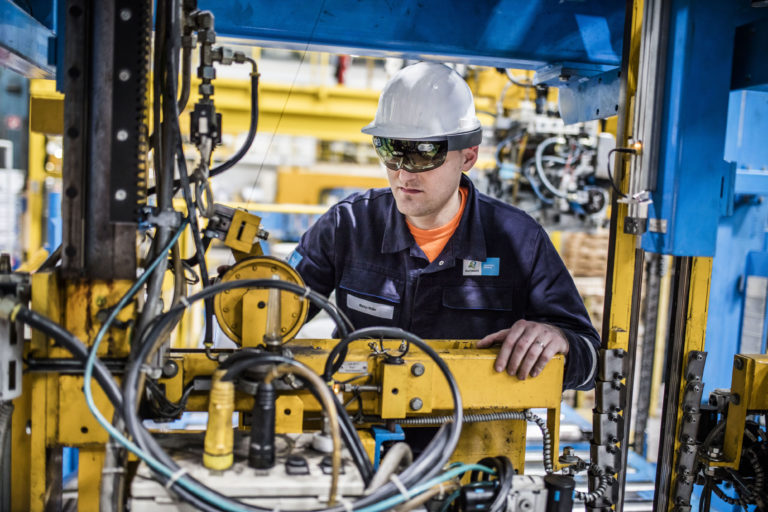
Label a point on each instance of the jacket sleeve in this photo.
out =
(315, 256)
(554, 300)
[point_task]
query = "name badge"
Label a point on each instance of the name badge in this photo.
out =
(489, 267)
(371, 308)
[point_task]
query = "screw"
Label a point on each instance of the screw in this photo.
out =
(120, 194)
(417, 370)
(124, 75)
(714, 453)
(125, 14)
(101, 301)
(122, 135)
(416, 404)
(170, 369)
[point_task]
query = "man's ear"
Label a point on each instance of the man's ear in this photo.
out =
(469, 156)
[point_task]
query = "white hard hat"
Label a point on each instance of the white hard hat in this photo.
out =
(427, 101)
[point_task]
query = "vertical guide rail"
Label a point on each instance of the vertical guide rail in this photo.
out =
(623, 263)
(94, 245)
(689, 325)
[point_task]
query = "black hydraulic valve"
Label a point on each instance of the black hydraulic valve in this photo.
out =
(261, 454)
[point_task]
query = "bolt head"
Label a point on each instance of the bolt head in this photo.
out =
(417, 370)
(416, 404)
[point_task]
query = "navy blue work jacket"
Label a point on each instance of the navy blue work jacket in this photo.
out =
(498, 267)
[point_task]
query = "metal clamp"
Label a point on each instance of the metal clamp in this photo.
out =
(688, 430)
(608, 428)
(613, 364)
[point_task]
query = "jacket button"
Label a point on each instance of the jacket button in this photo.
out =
(441, 263)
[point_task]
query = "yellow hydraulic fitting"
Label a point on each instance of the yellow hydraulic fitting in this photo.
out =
(220, 436)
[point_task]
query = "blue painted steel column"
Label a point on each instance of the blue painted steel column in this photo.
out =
(694, 179)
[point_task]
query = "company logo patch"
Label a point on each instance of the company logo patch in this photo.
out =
(371, 308)
(294, 259)
(489, 267)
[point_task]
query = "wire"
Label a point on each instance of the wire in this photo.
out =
(251, 127)
(416, 490)
(540, 167)
(610, 175)
(517, 82)
(504, 472)
(399, 454)
(326, 398)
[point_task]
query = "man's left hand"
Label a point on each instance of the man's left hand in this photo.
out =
(526, 347)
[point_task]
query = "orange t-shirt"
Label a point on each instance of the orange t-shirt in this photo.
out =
(432, 241)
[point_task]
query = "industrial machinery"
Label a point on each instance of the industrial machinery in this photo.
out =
(85, 358)
(546, 167)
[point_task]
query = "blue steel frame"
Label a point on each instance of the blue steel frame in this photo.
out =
(27, 44)
(527, 34)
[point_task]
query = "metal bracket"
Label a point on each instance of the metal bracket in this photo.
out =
(613, 364)
(607, 456)
(610, 396)
(165, 219)
(608, 428)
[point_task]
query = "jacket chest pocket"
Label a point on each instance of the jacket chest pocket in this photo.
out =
(473, 311)
(369, 298)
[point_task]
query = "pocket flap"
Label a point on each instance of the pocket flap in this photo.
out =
(479, 297)
(371, 284)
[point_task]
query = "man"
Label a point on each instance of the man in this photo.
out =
(434, 256)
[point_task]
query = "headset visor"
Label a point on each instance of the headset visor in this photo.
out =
(411, 155)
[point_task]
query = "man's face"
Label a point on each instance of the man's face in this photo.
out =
(429, 199)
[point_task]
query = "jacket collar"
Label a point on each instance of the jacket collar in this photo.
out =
(468, 242)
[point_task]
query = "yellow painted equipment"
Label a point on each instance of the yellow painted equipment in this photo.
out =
(242, 314)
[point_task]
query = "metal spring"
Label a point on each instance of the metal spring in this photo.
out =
(591, 497)
(468, 418)
(496, 416)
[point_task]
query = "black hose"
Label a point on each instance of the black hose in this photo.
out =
(348, 432)
(251, 128)
(504, 472)
(429, 463)
(248, 140)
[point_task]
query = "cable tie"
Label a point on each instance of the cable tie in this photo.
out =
(441, 496)
(347, 505)
(178, 474)
(400, 487)
(145, 368)
(307, 291)
(184, 301)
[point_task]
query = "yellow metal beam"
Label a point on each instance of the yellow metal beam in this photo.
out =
(300, 186)
(750, 384)
(46, 108)
(695, 331)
